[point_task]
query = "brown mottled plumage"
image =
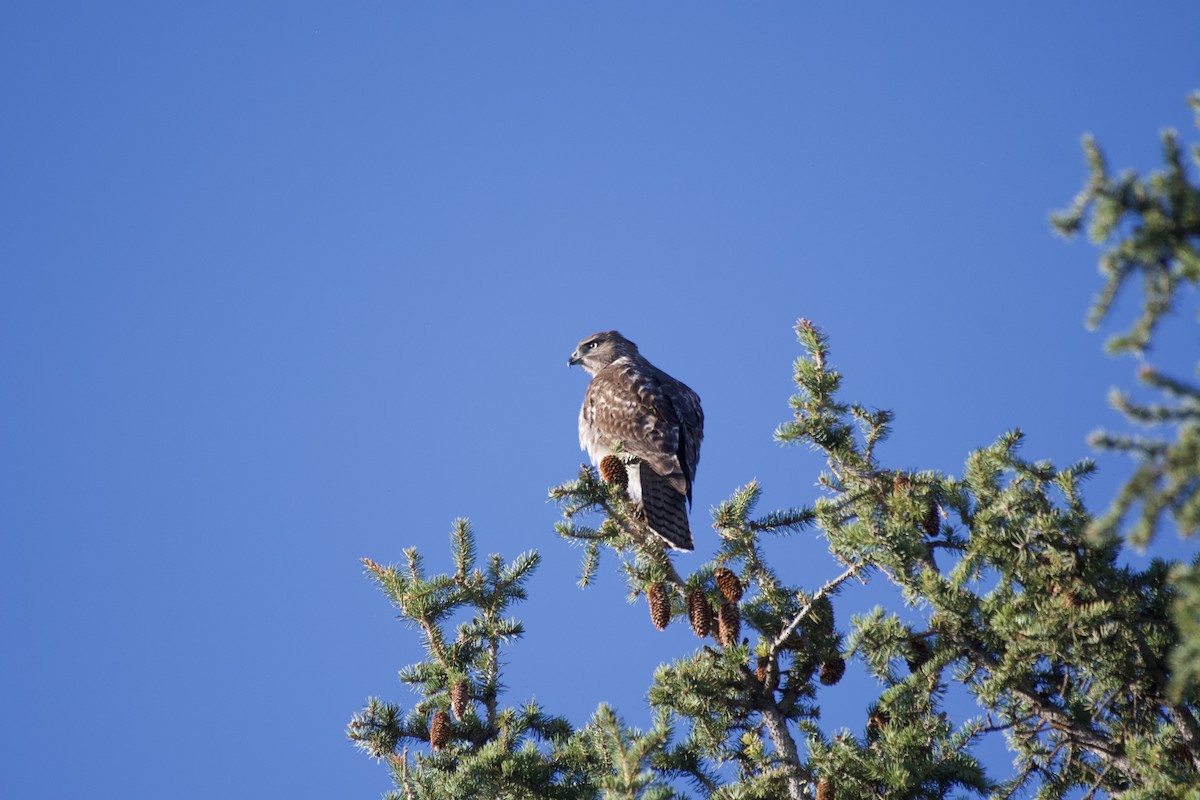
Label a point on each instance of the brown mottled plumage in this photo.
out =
(652, 416)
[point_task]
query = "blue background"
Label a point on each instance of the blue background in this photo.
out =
(287, 284)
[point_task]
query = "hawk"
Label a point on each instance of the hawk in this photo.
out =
(652, 416)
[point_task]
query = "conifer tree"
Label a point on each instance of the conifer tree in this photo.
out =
(1151, 228)
(1014, 593)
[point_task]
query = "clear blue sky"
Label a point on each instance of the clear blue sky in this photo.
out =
(287, 284)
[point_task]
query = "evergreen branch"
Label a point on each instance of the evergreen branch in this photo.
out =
(778, 642)
(462, 549)
(589, 492)
(514, 574)
(1017, 783)
(787, 521)
(1050, 712)
(591, 562)
(590, 536)
(1171, 386)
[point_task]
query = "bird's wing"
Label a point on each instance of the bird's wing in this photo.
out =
(651, 414)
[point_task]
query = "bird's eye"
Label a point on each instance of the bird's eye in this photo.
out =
(592, 345)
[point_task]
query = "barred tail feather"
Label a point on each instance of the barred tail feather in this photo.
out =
(665, 508)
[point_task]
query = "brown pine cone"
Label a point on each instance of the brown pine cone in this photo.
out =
(833, 670)
(1068, 596)
(932, 524)
(729, 624)
(729, 584)
(612, 470)
(439, 730)
(797, 641)
(459, 697)
(660, 605)
(825, 789)
(768, 677)
(920, 652)
(700, 613)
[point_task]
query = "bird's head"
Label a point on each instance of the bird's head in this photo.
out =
(599, 350)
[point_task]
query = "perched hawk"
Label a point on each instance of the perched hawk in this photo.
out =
(652, 416)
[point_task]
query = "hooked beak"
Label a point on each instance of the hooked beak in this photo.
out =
(574, 359)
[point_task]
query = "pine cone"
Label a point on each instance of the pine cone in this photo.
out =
(769, 678)
(700, 613)
(1068, 596)
(729, 624)
(459, 697)
(879, 718)
(920, 652)
(612, 470)
(797, 641)
(729, 584)
(932, 523)
(833, 670)
(825, 789)
(439, 730)
(1183, 754)
(900, 483)
(660, 605)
